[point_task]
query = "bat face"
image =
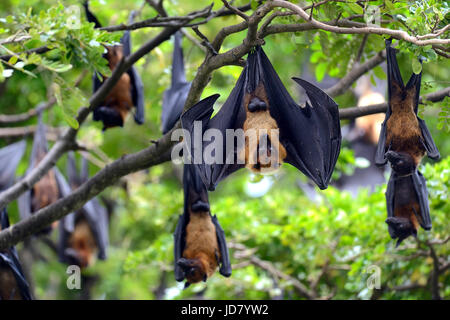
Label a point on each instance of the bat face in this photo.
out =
(263, 152)
(83, 245)
(401, 162)
(400, 228)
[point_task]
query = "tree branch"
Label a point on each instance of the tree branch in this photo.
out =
(397, 34)
(355, 112)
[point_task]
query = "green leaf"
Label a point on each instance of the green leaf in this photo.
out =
(356, 8)
(379, 73)
(416, 66)
(71, 121)
(320, 71)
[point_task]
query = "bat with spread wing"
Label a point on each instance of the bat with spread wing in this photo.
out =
(48, 189)
(270, 128)
(84, 234)
(128, 91)
(13, 285)
(200, 245)
(175, 97)
(404, 140)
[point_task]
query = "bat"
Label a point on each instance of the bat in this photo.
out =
(84, 234)
(175, 97)
(128, 91)
(13, 285)
(47, 190)
(276, 129)
(404, 140)
(200, 245)
(406, 198)
(402, 130)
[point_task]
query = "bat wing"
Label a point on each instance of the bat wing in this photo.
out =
(24, 204)
(175, 97)
(173, 104)
(428, 142)
(10, 157)
(420, 186)
(230, 116)
(97, 218)
(90, 16)
(380, 158)
(225, 264)
(390, 197)
(72, 172)
(137, 94)
(179, 238)
(317, 157)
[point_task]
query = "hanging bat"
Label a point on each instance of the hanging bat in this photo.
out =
(404, 140)
(406, 198)
(200, 245)
(13, 285)
(47, 190)
(128, 91)
(276, 129)
(175, 97)
(402, 130)
(83, 234)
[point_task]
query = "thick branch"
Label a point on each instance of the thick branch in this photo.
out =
(397, 34)
(153, 155)
(13, 118)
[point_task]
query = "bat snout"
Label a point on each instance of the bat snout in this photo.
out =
(200, 206)
(257, 104)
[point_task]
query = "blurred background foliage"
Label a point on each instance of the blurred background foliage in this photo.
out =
(281, 242)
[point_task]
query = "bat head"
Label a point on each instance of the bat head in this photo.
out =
(401, 162)
(109, 116)
(400, 228)
(263, 152)
(114, 54)
(194, 270)
(82, 250)
(200, 206)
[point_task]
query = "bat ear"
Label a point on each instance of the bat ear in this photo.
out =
(186, 285)
(205, 277)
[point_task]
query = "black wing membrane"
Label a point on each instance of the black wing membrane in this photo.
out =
(395, 80)
(180, 243)
(10, 157)
(420, 186)
(230, 116)
(90, 16)
(225, 264)
(175, 97)
(137, 87)
(39, 147)
(311, 135)
(10, 258)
